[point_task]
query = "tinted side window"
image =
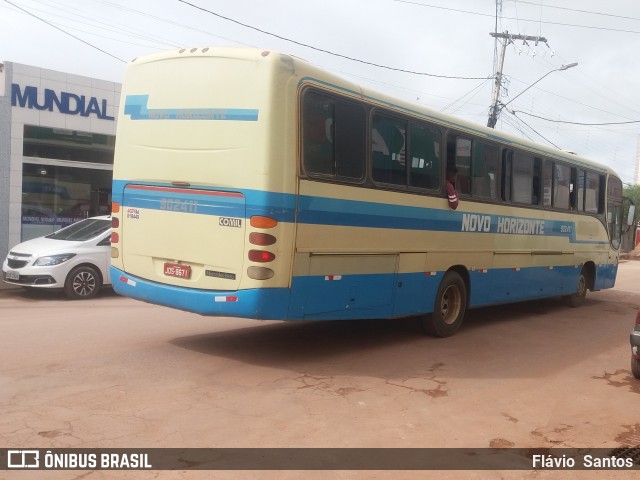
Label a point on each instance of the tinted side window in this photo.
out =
(425, 157)
(350, 130)
(561, 186)
(592, 193)
(484, 171)
(507, 167)
(459, 154)
(547, 183)
(333, 137)
(522, 181)
(389, 152)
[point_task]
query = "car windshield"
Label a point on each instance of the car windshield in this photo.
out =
(83, 230)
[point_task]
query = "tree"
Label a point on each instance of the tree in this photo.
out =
(633, 192)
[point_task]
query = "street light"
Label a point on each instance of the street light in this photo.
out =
(495, 109)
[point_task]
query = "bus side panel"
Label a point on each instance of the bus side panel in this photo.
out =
(343, 286)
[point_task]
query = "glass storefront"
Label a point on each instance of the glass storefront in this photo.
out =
(60, 186)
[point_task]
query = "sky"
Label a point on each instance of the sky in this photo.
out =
(431, 38)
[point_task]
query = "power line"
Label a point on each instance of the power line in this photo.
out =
(516, 18)
(328, 51)
(63, 31)
(571, 123)
(580, 11)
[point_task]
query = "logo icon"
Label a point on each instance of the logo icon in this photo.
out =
(23, 459)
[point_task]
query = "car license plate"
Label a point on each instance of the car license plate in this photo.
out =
(11, 275)
(177, 270)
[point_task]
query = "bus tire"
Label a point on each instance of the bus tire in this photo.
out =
(635, 367)
(82, 283)
(577, 299)
(449, 308)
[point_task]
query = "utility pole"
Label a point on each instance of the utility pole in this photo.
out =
(495, 101)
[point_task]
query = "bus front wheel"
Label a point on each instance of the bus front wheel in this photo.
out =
(577, 299)
(449, 308)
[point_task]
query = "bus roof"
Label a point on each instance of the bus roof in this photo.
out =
(313, 74)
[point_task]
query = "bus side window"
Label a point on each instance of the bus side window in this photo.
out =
(507, 167)
(535, 184)
(317, 129)
(424, 170)
(561, 186)
(484, 170)
(579, 188)
(389, 154)
(522, 178)
(333, 137)
(592, 193)
(459, 155)
(547, 183)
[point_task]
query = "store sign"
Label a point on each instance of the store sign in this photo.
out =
(65, 102)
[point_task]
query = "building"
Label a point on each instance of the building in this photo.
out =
(57, 135)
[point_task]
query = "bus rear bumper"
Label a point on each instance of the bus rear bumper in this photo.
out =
(262, 304)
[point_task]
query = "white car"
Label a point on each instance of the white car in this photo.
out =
(75, 259)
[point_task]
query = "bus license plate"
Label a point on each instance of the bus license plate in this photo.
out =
(11, 275)
(176, 270)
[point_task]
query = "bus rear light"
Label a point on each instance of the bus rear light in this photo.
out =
(259, 273)
(115, 222)
(115, 238)
(263, 222)
(227, 299)
(638, 318)
(262, 239)
(261, 256)
(115, 253)
(115, 207)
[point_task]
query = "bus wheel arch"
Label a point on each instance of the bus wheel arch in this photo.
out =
(589, 268)
(585, 281)
(452, 299)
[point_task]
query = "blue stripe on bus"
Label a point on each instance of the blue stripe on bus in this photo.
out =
(360, 296)
(136, 107)
(352, 213)
(259, 303)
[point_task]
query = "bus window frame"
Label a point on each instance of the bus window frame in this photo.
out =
(304, 172)
(409, 122)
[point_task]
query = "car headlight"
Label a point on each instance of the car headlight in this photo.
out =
(53, 260)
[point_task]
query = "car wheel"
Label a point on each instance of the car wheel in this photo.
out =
(449, 308)
(577, 299)
(82, 283)
(635, 367)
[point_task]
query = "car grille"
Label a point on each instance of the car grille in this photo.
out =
(16, 263)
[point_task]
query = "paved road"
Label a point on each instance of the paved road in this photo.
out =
(113, 372)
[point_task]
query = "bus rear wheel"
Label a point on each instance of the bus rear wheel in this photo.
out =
(635, 367)
(449, 308)
(577, 299)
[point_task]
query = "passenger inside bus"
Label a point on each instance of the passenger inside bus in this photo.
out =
(452, 195)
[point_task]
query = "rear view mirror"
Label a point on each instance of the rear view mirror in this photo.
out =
(631, 214)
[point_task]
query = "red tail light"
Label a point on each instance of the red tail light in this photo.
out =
(638, 318)
(262, 239)
(115, 222)
(261, 256)
(115, 238)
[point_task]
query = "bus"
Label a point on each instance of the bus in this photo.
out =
(250, 183)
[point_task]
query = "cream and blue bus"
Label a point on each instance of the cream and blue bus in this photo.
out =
(249, 183)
